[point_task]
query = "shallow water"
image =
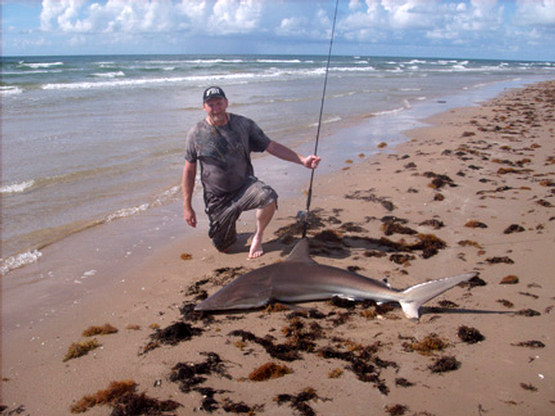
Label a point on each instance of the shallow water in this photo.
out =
(91, 140)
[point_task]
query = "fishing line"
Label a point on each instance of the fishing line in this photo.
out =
(309, 196)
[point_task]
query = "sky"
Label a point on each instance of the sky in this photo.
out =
(480, 29)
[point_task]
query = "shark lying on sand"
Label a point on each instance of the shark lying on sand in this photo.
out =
(299, 279)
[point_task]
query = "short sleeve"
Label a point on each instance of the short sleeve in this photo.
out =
(191, 154)
(258, 141)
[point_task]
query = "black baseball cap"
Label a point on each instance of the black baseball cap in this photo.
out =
(212, 92)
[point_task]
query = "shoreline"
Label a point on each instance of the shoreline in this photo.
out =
(155, 288)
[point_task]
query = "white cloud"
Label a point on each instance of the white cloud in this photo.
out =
(403, 23)
(539, 12)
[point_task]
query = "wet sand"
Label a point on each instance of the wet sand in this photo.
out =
(479, 180)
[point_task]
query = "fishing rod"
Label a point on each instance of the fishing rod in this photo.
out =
(309, 196)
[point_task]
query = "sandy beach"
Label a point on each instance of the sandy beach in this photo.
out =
(476, 187)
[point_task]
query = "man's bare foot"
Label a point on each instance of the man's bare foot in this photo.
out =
(256, 247)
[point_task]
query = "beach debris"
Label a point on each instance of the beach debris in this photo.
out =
(122, 398)
(335, 373)
(445, 364)
(381, 145)
(529, 387)
(528, 312)
(171, 335)
(369, 196)
(186, 256)
(530, 344)
(78, 349)
(396, 409)
(438, 180)
(470, 335)
(393, 225)
(474, 282)
(269, 371)
(466, 243)
(190, 375)
(115, 390)
(532, 295)
(475, 224)
(434, 223)
(514, 228)
(509, 280)
(403, 382)
(208, 402)
(230, 407)
(7, 411)
(506, 303)
(284, 352)
(299, 402)
(105, 329)
(426, 346)
(312, 219)
(364, 362)
(500, 259)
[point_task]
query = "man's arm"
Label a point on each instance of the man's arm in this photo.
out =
(188, 185)
(289, 155)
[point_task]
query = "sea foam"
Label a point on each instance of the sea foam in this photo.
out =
(19, 260)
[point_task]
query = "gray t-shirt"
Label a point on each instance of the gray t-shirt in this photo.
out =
(224, 153)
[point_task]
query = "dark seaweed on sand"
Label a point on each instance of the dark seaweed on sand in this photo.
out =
(528, 312)
(364, 362)
(284, 352)
(369, 196)
(475, 281)
(444, 364)
(140, 404)
(122, 397)
(172, 335)
(439, 181)
(403, 382)
(470, 335)
(497, 260)
(189, 314)
(190, 375)
(530, 344)
(313, 221)
(299, 402)
(396, 409)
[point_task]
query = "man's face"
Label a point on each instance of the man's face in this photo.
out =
(215, 107)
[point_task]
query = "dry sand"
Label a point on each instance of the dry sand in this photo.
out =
(479, 179)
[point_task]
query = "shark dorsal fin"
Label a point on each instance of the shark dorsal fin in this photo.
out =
(300, 253)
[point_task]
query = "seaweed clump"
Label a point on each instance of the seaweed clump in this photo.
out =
(470, 335)
(190, 375)
(123, 399)
(172, 335)
(284, 352)
(363, 362)
(396, 409)
(427, 345)
(269, 371)
(444, 364)
(105, 329)
(78, 349)
(299, 402)
(530, 344)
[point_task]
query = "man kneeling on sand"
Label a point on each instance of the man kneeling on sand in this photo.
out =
(222, 143)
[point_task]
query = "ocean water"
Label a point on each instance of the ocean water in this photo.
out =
(91, 140)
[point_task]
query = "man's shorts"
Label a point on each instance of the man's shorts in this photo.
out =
(223, 213)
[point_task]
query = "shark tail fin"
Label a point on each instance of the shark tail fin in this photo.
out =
(415, 296)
